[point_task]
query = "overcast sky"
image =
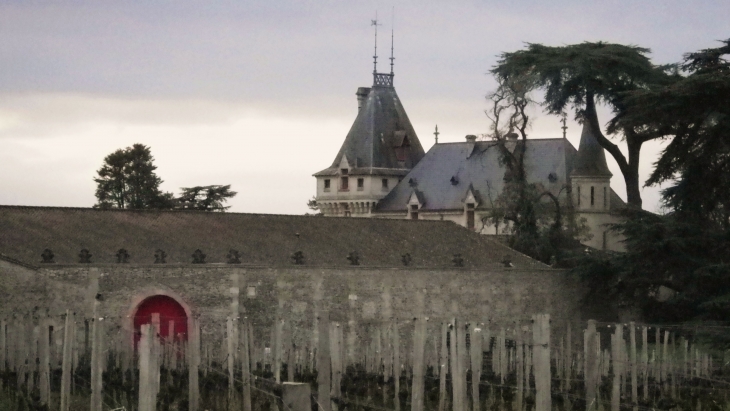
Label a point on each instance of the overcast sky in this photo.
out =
(260, 95)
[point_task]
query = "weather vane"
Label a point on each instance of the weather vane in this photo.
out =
(436, 133)
(375, 56)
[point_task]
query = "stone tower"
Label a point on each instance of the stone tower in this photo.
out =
(591, 189)
(379, 150)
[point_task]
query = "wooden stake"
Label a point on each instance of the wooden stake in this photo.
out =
(245, 365)
(66, 362)
(443, 366)
(291, 360)
(336, 360)
(3, 346)
(419, 345)
(617, 341)
(502, 355)
(475, 350)
(592, 373)
(193, 360)
(645, 361)
(634, 372)
(541, 354)
(146, 391)
(396, 363)
(232, 343)
(44, 383)
(519, 357)
(97, 358)
(279, 328)
(323, 362)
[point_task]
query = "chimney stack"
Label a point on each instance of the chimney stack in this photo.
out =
(471, 138)
(362, 95)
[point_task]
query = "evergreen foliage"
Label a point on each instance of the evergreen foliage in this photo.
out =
(127, 179)
(582, 75)
(205, 198)
(677, 266)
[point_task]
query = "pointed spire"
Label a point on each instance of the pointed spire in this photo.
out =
(375, 54)
(436, 133)
(565, 125)
(392, 57)
(590, 160)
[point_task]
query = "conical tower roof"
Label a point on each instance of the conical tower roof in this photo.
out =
(591, 159)
(381, 137)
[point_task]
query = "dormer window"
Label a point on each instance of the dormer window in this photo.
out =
(401, 146)
(343, 171)
(327, 184)
(414, 211)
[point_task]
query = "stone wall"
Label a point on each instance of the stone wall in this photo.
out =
(359, 296)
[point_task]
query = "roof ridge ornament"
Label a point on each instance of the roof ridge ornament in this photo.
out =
(381, 79)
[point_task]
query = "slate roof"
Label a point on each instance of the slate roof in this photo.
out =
(548, 162)
(262, 239)
(591, 159)
(381, 125)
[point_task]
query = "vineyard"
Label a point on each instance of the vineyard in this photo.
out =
(401, 364)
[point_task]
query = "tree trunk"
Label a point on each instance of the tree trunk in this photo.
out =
(633, 193)
(630, 168)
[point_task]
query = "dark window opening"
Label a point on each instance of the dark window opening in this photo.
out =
(470, 217)
(327, 184)
(360, 183)
(593, 196)
(605, 198)
(344, 183)
(385, 183)
(578, 195)
(414, 211)
(343, 171)
(401, 152)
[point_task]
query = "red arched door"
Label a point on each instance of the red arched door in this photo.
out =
(169, 311)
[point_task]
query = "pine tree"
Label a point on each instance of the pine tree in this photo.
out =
(582, 75)
(127, 179)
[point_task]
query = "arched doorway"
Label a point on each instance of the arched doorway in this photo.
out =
(171, 314)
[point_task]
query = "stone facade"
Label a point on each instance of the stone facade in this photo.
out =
(358, 296)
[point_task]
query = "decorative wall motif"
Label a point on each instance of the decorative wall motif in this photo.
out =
(298, 258)
(354, 258)
(122, 256)
(160, 257)
(198, 257)
(84, 256)
(47, 256)
(233, 257)
(458, 260)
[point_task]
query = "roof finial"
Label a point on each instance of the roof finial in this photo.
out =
(565, 126)
(375, 56)
(391, 41)
(436, 133)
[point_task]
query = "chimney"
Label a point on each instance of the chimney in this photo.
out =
(471, 138)
(362, 94)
